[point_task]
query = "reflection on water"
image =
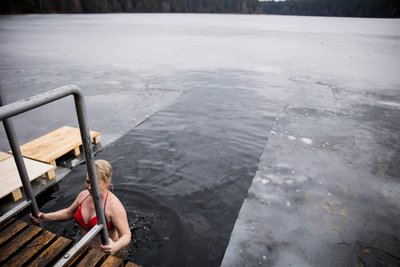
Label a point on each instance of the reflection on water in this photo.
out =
(183, 174)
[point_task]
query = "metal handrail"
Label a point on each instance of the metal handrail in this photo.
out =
(75, 249)
(21, 206)
(12, 109)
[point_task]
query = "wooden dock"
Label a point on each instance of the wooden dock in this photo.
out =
(49, 147)
(22, 244)
(40, 157)
(10, 181)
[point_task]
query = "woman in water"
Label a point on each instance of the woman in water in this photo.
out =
(83, 211)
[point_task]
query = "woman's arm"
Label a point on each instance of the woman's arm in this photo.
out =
(120, 221)
(60, 215)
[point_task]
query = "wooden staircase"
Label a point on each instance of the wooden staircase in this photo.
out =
(22, 244)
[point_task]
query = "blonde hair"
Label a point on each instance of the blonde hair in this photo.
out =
(103, 170)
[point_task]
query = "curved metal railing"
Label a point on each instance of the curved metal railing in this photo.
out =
(9, 110)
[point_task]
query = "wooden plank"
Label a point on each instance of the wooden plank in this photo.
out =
(16, 194)
(50, 174)
(52, 253)
(31, 250)
(4, 156)
(11, 231)
(17, 243)
(30, 246)
(91, 259)
(75, 152)
(10, 180)
(55, 144)
(7, 223)
(112, 261)
(77, 257)
(131, 264)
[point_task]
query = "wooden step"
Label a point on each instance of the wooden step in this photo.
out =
(32, 250)
(52, 253)
(112, 261)
(12, 230)
(92, 258)
(23, 245)
(50, 147)
(17, 243)
(6, 223)
(78, 257)
(10, 181)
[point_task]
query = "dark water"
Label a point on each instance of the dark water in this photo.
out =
(183, 174)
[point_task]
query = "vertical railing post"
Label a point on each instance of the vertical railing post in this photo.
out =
(19, 161)
(91, 169)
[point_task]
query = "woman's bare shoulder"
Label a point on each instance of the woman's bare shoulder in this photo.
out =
(114, 201)
(82, 195)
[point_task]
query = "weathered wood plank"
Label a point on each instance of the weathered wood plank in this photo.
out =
(131, 264)
(112, 261)
(18, 242)
(31, 246)
(55, 144)
(77, 257)
(52, 253)
(10, 181)
(11, 231)
(91, 259)
(31, 250)
(7, 223)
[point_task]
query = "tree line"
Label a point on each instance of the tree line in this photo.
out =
(345, 8)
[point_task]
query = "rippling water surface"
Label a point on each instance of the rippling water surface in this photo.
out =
(184, 173)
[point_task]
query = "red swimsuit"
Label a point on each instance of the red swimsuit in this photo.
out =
(92, 221)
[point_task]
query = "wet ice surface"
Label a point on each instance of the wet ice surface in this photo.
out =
(116, 100)
(211, 86)
(332, 202)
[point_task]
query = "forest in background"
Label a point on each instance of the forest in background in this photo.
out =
(342, 8)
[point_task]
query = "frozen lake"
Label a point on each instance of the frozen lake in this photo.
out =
(124, 55)
(212, 86)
